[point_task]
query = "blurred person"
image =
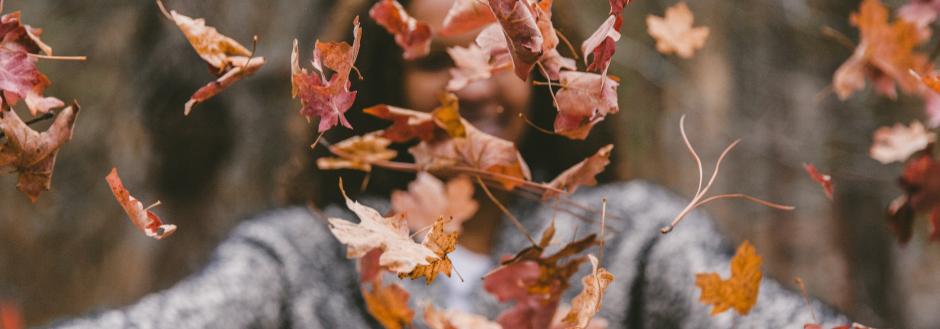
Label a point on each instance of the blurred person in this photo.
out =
(284, 269)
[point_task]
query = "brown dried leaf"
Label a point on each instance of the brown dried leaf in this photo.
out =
(582, 173)
(32, 154)
(586, 304)
(524, 38)
(442, 243)
(674, 32)
(144, 219)
(413, 36)
(428, 198)
(584, 100)
(358, 152)
(389, 305)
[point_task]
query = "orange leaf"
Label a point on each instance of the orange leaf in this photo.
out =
(740, 290)
(144, 219)
(388, 304)
(442, 243)
(823, 180)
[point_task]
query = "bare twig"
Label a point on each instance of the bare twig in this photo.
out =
(515, 221)
(700, 191)
(603, 225)
(799, 282)
(58, 58)
(838, 37)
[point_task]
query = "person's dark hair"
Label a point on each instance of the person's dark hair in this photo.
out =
(382, 67)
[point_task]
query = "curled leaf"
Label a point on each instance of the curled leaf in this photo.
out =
(582, 173)
(144, 219)
(413, 36)
(587, 303)
(524, 40)
(823, 180)
(674, 32)
(32, 154)
(740, 290)
(326, 99)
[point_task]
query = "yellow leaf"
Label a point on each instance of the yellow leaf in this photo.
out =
(442, 244)
(739, 291)
(388, 304)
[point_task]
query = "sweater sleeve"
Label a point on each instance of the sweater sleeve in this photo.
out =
(282, 269)
(655, 286)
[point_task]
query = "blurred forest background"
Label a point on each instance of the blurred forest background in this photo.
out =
(763, 76)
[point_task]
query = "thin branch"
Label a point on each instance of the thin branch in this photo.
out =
(568, 44)
(515, 221)
(536, 127)
(603, 225)
(701, 191)
(838, 37)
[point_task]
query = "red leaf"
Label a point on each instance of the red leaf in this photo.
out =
(19, 76)
(583, 101)
(144, 219)
(522, 33)
(413, 36)
(601, 45)
(466, 16)
(326, 99)
(823, 180)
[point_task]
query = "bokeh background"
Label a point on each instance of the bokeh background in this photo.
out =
(763, 76)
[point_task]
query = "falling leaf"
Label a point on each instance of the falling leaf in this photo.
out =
(32, 154)
(466, 16)
(740, 290)
(583, 101)
(456, 319)
(535, 282)
(524, 40)
(358, 152)
(601, 46)
(921, 13)
(406, 124)
(442, 243)
(552, 61)
(388, 304)
(326, 99)
(413, 36)
(19, 76)
(885, 54)
(428, 198)
(674, 32)
(400, 253)
(230, 60)
(920, 181)
(145, 220)
(897, 143)
(823, 180)
(586, 304)
(582, 173)
(470, 64)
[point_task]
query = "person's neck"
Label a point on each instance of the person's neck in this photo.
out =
(480, 231)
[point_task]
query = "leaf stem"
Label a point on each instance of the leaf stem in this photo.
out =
(43, 117)
(58, 58)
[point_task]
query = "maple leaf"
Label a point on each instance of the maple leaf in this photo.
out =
(535, 282)
(885, 54)
(144, 219)
(583, 101)
(442, 243)
(587, 303)
(897, 143)
(524, 39)
(406, 124)
(359, 152)
(466, 16)
(400, 253)
(320, 97)
(19, 76)
(582, 173)
(488, 56)
(428, 198)
(32, 154)
(674, 32)
(388, 304)
(823, 180)
(230, 60)
(740, 290)
(413, 36)
(456, 319)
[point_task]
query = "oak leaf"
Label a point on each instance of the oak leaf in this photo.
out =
(456, 319)
(229, 60)
(823, 180)
(32, 154)
(358, 152)
(442, 243)
(897, 143)
(400, 253)
(428, 198)
(740, 290)
(413, 36)
(144, 219)
(582, 173)
(587, 303)
(326, 99)
(674, 32)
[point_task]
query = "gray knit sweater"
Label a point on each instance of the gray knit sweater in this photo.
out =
(285, 270)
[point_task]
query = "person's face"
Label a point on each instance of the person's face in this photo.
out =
(492, 105)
